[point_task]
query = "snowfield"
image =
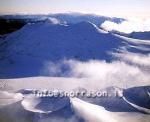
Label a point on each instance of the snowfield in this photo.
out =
(72, 53)
(65, 108)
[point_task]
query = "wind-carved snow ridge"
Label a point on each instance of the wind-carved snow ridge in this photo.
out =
(44, 104)
(45, 107)
(38, 103)
(91, 112)
(142, 109)
(148, 94)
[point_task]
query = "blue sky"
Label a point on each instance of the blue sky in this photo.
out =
(101, 7)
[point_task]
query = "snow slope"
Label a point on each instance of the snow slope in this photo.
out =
(57, 109)
(138, 95)
(25, 52)
(45, 104)
(35, 44)
(140, 35)
(135, 35)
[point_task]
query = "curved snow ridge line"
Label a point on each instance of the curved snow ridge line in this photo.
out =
(44, 104)
(85, 110)
(98, 29)
(91, 112)
(148, 94)
(28, 106)
(134, 41)
(142, 109)
(142, 48)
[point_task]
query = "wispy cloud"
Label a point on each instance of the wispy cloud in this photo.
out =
(138, 59)
(101, 73)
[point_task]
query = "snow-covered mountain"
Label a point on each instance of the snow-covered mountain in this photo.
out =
(82, 41)
(34, 44)
(81, 57)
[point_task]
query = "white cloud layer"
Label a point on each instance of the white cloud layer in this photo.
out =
(138, 59)
(101, 73)
(128, 26)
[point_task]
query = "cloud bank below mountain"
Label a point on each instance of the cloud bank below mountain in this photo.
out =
(128, 26)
